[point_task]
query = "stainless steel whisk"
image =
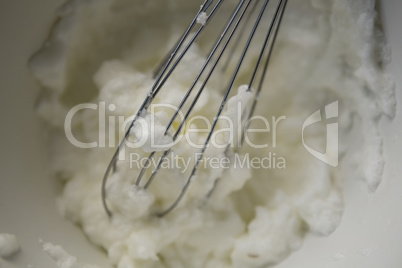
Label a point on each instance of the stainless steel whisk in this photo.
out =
(236, 26)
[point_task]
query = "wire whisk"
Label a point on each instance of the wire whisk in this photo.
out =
(242, 24)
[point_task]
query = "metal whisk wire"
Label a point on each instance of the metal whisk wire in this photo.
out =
(224, 39)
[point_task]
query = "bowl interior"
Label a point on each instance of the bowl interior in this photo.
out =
(369, 236)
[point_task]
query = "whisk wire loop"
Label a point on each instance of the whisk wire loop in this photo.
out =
(112, 166)
(172, 60)
(199, 156)
(199, 91)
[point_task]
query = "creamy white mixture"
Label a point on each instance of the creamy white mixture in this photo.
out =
(202, 18)
(9, 245)
(150, 133)
(62, 258)
(103, 52)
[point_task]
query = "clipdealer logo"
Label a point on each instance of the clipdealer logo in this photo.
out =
(330, 114)
(330, 156)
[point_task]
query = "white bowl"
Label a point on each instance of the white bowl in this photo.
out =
(369, 236)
